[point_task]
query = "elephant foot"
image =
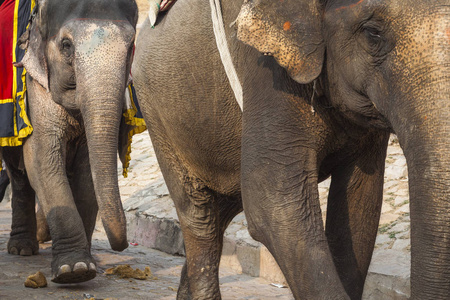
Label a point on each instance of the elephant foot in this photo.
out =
(183, 295)
(74, 267)
(23, 247)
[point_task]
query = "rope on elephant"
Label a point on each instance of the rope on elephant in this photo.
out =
(157, 6)
(224, 52)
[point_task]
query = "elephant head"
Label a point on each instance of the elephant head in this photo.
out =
(80, 52)
(386, 68)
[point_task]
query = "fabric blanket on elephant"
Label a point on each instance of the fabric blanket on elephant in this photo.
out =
(134, 121)
(14, 123)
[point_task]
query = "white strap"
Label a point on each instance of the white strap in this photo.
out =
(219, 33)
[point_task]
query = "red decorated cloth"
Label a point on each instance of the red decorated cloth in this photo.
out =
(6, 49)
(14, 123)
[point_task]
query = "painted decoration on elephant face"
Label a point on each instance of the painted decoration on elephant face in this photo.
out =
(350, 6)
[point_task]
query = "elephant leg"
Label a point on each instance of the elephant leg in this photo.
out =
(199, 218)
(353, 213)
(204, 216)
(289, 223)
(71, 262)
(43, 232)
(183, 289)
(83, 190)
(22, 239)
(4, 182)
(203, 244)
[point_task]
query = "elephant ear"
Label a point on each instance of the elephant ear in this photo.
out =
(34, 60)
(289, 30)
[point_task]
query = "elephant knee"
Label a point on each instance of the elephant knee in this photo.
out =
(254, 229)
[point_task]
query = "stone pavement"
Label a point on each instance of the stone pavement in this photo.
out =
(152, 222)
(163, 284)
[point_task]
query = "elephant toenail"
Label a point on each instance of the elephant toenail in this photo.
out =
(92, 267)
(26, 252)
(13, 251)
(80, 266)
(64, 269)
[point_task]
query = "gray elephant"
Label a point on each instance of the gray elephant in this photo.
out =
(361, 70)
(78, 63)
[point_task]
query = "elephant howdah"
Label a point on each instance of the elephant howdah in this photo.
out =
(337, 79)
(78, 60)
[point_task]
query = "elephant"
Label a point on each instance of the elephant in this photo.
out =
(4, 182)
(78, 64)
(336, 79)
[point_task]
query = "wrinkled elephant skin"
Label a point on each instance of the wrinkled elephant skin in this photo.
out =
(338, 77)
(78, 62)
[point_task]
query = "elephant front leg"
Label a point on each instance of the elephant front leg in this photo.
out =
(45, 164)
(83, 189)
(281, 203)
(22, 239)
(354, 207)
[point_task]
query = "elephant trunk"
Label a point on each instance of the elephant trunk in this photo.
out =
(421, 119)
(429, 184)
(100, 94)
(102, 129)
(426, 144)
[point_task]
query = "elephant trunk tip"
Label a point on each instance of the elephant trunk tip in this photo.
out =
(119, 247)
(117, 238)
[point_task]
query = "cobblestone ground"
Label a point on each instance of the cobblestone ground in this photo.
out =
(166, 268)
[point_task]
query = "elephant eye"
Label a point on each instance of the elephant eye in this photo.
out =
(376, 43)
(66, 47)
(66, 44)
(373, 35)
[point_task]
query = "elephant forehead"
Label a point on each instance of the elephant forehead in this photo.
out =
(425, 37)
(59, 12)
(91, 35)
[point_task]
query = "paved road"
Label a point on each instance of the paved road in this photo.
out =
(15, 269)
